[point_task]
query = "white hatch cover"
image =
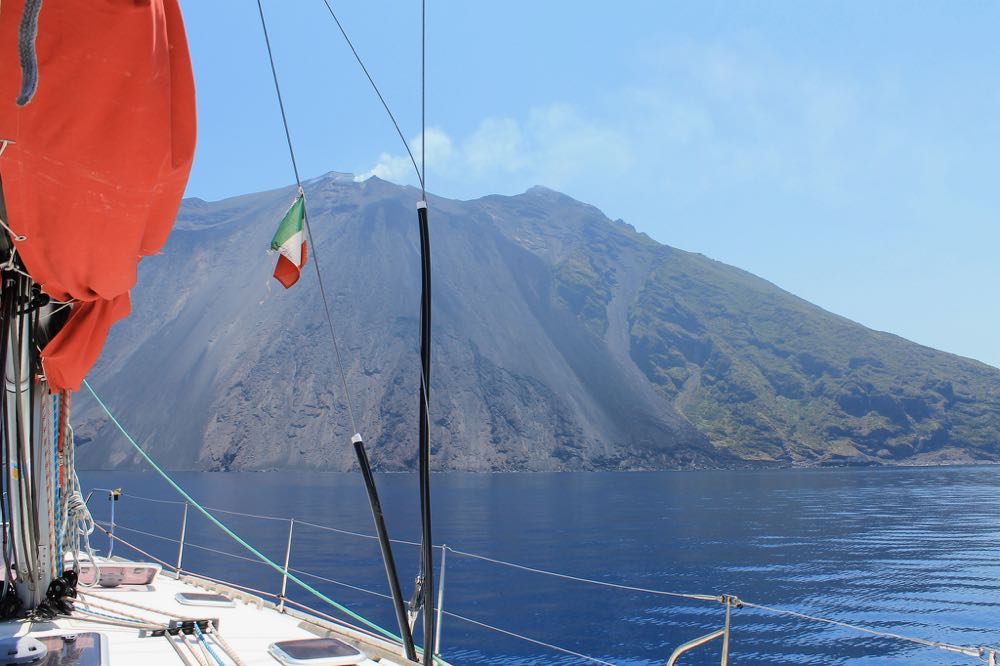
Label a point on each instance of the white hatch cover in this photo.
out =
(204, 599)
(316, 652)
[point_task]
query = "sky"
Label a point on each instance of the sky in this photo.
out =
(849, 152)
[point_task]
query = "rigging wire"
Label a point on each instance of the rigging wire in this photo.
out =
(385, 105)
(426, 569)
(427, 544)
(308, 225)
(423, 100)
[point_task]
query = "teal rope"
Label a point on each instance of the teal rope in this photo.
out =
(263, 558)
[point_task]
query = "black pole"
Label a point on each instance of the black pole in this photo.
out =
(427, 545)
(386, 546)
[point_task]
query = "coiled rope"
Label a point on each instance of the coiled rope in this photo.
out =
(76, 521)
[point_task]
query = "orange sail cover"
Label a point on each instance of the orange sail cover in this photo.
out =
(100, 158)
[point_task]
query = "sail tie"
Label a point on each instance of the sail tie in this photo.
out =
(26, 36)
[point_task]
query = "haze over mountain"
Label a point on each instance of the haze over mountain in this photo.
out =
(562, 340)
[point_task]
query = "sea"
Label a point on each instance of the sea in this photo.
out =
(907, 551)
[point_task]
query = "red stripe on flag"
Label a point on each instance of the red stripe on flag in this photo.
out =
(288, 273)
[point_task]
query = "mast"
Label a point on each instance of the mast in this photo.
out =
(30, 465)
(426, 542)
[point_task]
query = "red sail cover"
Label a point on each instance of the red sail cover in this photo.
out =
(100, 160)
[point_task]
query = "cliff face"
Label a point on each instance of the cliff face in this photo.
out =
(563, 340)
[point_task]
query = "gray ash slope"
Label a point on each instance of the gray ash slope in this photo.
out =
(562, 341)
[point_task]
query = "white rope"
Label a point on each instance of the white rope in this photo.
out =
(89, 594)
(186, 641)
(77, 521)
(101, 618)
(180, 655)
(226, 647)
(123, 614)
(205, 649)
(208, 648)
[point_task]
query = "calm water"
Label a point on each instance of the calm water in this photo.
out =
(908, 550)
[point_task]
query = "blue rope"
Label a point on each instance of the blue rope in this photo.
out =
(201, 637)
(263, 558)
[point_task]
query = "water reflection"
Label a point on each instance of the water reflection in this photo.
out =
(907, 550)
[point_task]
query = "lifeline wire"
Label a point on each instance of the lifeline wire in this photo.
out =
(555, 648)
(263, 558)
(244, 587)
(305, 215)
(298, 521)
(678, 595)
(530, 640)
(948, 647)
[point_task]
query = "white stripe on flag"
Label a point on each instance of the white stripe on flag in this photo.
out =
(291, 249)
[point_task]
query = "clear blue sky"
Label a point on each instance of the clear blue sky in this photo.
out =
(847, 151)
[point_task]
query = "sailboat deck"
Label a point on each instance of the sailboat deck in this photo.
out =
(248, 628)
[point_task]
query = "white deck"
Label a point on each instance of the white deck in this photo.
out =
(249, 627)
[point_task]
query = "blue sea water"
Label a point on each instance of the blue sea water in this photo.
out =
(912, 551)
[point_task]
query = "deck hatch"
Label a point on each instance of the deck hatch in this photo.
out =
(204, 599)
(83, 649)
(316, 652)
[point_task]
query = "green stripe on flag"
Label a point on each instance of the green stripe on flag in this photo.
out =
(291, 224)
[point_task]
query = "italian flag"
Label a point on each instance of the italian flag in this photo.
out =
(290, 242)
